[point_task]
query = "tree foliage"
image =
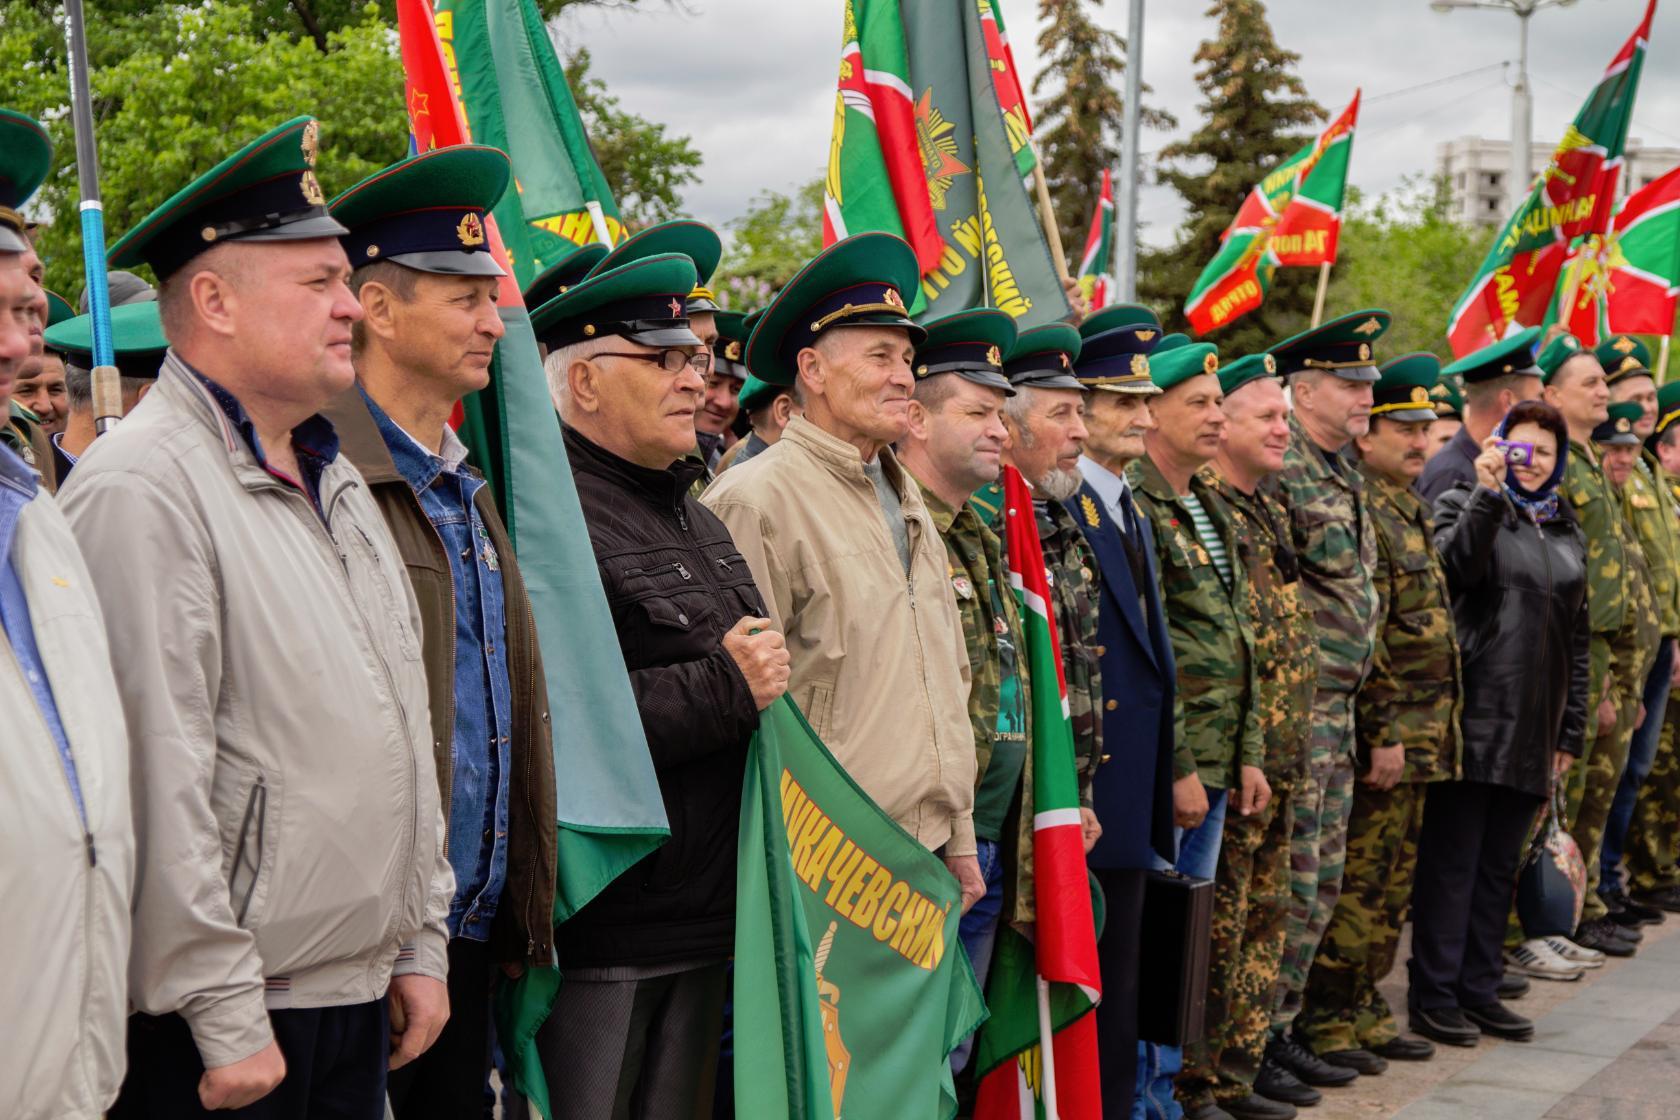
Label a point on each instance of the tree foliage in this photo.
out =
(778, 233)
(1080, 112)
(1254, 109)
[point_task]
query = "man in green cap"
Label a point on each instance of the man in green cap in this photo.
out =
(427, 284)
(1251, 903)
(1495, 378)
(1330, 370)
(40, 388)
(138, 345)
(839, 540)
(1651, 513)
(1448, 402)
(768, 409)
(28, 159)
(267, 649)
(1406, 718)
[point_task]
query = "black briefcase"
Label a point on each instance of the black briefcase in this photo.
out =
(1173, 949)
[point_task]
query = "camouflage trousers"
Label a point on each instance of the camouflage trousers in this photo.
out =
(1652, 855)
(1317, 847)
(1250, 911)
(1342, 1008)
(1591, 789)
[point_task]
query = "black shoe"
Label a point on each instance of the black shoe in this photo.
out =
(1512, 986)
(1304, 1064)
(1403, 1049)
(1207, 1110)
(1666, 899)
(1446, 1025)
(1624, 911)
(1278, 1084)
(1633, 935)
(1256, 1107)
(1501, 1022)
(1600, 934)
(1362, 1062)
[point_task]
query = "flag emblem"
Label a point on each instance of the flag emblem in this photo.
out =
(939, 149)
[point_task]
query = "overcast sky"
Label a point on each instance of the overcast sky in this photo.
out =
(752, 81)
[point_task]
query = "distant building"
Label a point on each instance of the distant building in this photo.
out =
(1476, 171)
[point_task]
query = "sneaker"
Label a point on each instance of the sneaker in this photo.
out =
(1278, 1084)
(1569, 951)
(1600, 934)
(1535, 958)
(1287, 1052)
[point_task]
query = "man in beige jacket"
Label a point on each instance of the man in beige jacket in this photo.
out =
(845, 553)
(267, 647)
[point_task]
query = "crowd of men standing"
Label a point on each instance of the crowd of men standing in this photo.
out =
(281, 792)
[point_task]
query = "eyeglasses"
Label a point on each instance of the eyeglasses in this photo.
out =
(671, 361)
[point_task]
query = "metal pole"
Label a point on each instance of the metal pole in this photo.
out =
(107, 383)
(1522, 118)
(1323, 286)
(1047, 1051)
(1125, 246)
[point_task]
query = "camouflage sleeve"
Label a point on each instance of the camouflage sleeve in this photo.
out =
(1376, 707)
(1599, 663)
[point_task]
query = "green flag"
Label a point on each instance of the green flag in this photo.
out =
(850, 988)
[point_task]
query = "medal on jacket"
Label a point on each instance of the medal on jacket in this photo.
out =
(963, 588)
(487, 551)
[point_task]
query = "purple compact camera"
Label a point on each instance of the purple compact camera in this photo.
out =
(1516, 452)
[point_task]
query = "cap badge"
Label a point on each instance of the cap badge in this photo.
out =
(1629, 362)
(311, 189)
(1210, 363)
(1622, 424)
(676, 308)
(1140, 365)
(1365, 350)
(1419, 393)
(1624, 344)
(1145, 336)
(310, 143)
(1067, 363)
(1270, 363)
(891, 296)
(470, 231)
(1570, 342)
(732, 351)
(994, 357)
(1369, 326)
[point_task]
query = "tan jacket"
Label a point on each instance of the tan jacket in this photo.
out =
(879, 664)
(285, 802)
(65, 918)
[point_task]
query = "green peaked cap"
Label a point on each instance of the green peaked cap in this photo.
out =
(970, 344)
(857, 282)
(1556, 352)
(58, 308)
(1119, 315)
(427, 212)
(266, 191)
(1446, 399)
(1617, 429)
(1668, 405)
(1622, 356)
(729, 355)
(563, 273)
(1403, 392)
(136, 338)
(1344, 346)
(1249, 367)
(1044, 356)
(1181, 363)
(755, 394)
(641, 301)
(25, 159)
(695, 240)
(1512, 355)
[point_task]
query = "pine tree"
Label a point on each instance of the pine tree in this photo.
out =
(1079, 122)
(1254, 109)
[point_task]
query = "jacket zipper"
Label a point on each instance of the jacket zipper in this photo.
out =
(1546, 634)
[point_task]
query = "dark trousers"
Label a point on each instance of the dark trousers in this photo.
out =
(1117, 1014)
(642, 1049)
(1468, 854)
(335, 1067)
(452, 1078)
(1642, 754)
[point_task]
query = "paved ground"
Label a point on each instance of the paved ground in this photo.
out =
(1606, 1047)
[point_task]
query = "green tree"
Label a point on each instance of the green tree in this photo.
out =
(1080, 113)
(778, 233)
(645, 168)
(1253, 110)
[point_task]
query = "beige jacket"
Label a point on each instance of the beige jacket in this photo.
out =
(879, 664)
(285, 803)
(64, 921)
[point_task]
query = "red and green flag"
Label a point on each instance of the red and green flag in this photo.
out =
(1291, 218)
(1627, 280)
(609, 810)
(920, 148)
(1096, 278)
(1012, 98)
(1048, 976)
(1572, 198)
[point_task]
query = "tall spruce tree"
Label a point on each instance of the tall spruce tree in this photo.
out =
(1254, 111)
(1080, 108)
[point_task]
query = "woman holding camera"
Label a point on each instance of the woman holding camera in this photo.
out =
(1516, 562)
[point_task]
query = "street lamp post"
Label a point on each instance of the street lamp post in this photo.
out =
(1521, 173)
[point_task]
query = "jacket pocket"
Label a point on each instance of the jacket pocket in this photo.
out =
(819, 707)
(245, 873)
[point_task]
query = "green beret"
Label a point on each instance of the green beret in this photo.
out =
(1182, 363)
(1249, 367)
(25, 159)
(695, 240)
(1617, 429)
(1341, 346)
(136, 339)
(641, 301)
(1556, 352)
(970, 344)
(1403, 390)
(1622, 356)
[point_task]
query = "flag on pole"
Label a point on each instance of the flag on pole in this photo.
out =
(920, 149)
(609, 809)
(515, 97)
(1627, 280)
(1291, 218)
(1062, 948)
(851, 989)
(1573, 197)
(1096, 275)
(1012, 98)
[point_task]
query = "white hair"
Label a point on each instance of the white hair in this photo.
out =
(559, 361)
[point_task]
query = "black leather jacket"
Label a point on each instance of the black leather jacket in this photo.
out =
(675, 583)
(1520, 604)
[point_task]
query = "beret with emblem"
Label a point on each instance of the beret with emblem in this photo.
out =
(1044, 357)
(1118, 360)
(266, 191)
(1623, 356)
(1119, 315)
(1249, 367)
(856, 282)
(427, 212)
(1181, 363)
(641, 301)
(729, 355)
(563, 273)
(1342, 347)
(970, 344)
(1446, 400)
(1508, 356)
(1556, 352)
(1617, 429)
(1668, 405)
(695, 240)
(136, 339)
(1403, 394)
(25, 159)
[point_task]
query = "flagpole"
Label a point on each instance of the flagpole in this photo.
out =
(1323, 286)
(1047, 216)
(107, 383)
(1662, 361)
(1046, 1050)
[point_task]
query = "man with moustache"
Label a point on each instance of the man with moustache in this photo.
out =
(1406, 716)
(1330, 371)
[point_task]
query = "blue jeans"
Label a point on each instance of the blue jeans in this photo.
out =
(1198, 857)
(1641, 755)
(978, 933)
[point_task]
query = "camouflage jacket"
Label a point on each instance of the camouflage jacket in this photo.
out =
(1415, 690)
(1211, 630)
(1599, 513)
(1338, 551)
(1634, 646)
(1285, 642)
(1656, 526)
